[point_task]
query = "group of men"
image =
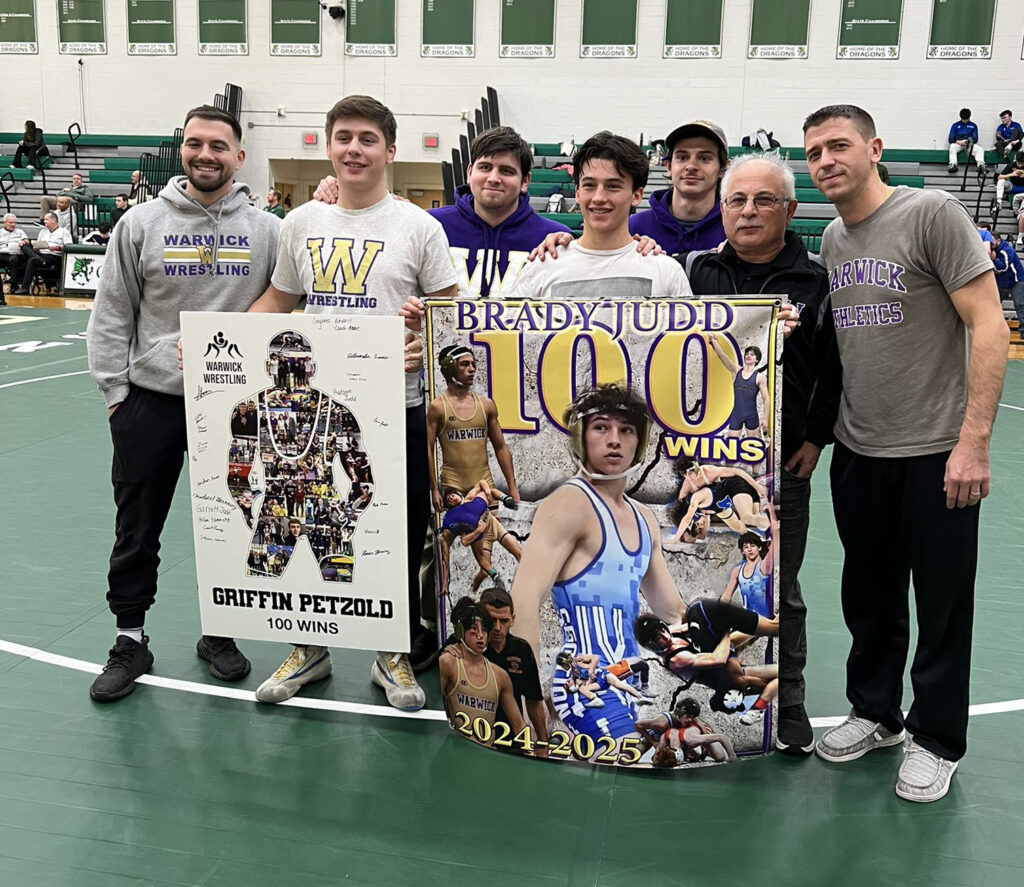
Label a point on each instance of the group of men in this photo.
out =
(963, 136)
(883, 322)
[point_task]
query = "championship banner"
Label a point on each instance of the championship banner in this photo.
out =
(961, 29)
(870, 29)
(151, 27)
(693, 29)
(295, 27)
(609, 29)
(296, 441)
(223, 28)
(527, 29)
(81, 27)
(18, 27)
(603, 475)
(778, 29)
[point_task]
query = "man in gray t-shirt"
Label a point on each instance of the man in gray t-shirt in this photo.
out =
(908, 280)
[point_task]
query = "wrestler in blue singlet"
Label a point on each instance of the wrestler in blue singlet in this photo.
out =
(596, 609)
(755, 590)
(744, 410)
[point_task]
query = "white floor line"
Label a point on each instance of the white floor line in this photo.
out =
(44, 378)
(1010, 406)
(384, 711)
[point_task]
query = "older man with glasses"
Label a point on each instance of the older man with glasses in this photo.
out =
(761, 257)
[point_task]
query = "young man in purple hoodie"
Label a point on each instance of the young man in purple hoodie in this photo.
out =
(492, 228)
(687, 216)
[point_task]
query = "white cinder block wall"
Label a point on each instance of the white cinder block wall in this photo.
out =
(913, 99)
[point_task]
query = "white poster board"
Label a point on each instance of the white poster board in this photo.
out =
(296, 436)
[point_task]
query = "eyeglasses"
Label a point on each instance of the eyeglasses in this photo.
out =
(761, 201)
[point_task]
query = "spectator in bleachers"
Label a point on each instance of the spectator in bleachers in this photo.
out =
(274, 203)
(140, 187)
(1009, 277)
(99, 237)
(31, 144)
(1009, 134)
(961, 134)
(78, 192)
(687, 216)
(121, 206)
(11, 237)
(66, 214)
(1011, 180)
(39, 255)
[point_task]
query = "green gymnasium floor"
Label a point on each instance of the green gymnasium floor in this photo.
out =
(177, 787)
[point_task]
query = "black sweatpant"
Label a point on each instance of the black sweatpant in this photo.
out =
(148, 432)
(417, 498)
(894, 525)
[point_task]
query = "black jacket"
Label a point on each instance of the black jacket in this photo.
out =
(811, 372)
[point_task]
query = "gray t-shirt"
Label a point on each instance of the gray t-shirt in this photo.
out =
(365, 261)
(902, 344)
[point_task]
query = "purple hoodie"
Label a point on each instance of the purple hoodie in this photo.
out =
(488, 259)
(659, 224)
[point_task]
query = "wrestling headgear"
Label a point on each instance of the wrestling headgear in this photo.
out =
(615, 399)
(449, 360)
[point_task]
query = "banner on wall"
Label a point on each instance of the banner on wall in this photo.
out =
(370, 28)
(870, 29)
(151, 27)
(609, 29)
(81, 27)
(693, 29)
(448, 29)
(633, 531)
(961, 29)
(295, 27)
(223, 28)
(778, 29)
(18, 27)
(527, 29)
(296, 441)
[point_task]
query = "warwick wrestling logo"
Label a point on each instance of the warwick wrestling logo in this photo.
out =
(198, 255)
(223, 372)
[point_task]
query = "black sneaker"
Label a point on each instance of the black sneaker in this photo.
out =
(227, 663)
(424, 649)
(127, 660)
(795, 735)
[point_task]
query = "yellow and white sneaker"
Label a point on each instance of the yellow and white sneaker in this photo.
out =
(303, 665)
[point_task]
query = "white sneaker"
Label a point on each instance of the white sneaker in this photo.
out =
(303, 665)
(754, 716)
(924, 776)
(854, 738)
(393, 673)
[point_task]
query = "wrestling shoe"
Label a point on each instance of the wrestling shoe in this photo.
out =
(509, 503)
(594, 703)
(795, 736)
(393, 673)
(425, 650)
(854, 738)
(923, 776)
(128, 660)
(754, 716)
(303, 665)
(646, 700)
(648, 693)
(227, 662)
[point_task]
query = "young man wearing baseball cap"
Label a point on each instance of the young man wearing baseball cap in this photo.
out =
(687, 216)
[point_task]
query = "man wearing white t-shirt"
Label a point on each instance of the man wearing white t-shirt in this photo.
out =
(610, 173)
(365, 254)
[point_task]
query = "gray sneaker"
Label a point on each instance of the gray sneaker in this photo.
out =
(393, 673)
(303, 665)
(923, 776)
(854, 738)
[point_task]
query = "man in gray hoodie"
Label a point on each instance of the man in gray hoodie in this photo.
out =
(199, 246)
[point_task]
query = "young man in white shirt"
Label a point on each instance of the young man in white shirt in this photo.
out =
(365, 254)
(610, 173)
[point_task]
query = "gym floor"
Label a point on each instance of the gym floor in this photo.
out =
(189, 782)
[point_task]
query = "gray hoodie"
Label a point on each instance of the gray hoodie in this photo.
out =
(170, 255)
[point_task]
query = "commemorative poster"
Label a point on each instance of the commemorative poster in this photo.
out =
(603, 476)
(296, 441)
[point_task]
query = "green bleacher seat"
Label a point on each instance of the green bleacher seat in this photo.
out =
(810, 195)
(803, 180)
(129, 163)
(571, 220)
(542, 189)
(547, 149)
(550, 175)
(114, 176)
(119, 141)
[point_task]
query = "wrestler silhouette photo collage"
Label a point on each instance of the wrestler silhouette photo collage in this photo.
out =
(284, 442)
(606, 533)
